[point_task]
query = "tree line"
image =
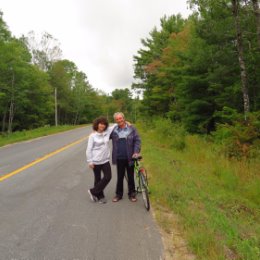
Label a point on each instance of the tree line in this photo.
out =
(205, 70)
(38, 87)
(201, 72)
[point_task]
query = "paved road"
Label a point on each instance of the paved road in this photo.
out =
(45, 211)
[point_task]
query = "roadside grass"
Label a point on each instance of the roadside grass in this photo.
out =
(216, 200)
(30, 134)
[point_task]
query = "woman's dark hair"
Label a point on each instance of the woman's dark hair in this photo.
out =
(100, 120)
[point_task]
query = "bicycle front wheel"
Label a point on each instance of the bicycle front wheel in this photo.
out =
(144, 189)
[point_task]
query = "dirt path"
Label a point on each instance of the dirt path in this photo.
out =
(175, 246)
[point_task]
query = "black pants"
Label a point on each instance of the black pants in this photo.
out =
(100, 184)
(122, 166)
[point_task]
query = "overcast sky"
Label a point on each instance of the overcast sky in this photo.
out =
(99, 36)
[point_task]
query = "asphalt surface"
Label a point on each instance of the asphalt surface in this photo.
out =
(46, 213)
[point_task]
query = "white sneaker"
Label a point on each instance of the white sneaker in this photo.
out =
(92, 197)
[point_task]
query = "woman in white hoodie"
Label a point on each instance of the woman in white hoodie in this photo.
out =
(98, 155)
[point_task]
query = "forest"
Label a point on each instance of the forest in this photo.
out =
(39, 88)
(202, 72)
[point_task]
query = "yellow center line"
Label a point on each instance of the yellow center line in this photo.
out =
(10, 174)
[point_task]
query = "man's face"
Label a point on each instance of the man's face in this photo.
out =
(120, 120)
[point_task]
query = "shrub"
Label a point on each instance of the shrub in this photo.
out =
(240, 138)
(173, 133)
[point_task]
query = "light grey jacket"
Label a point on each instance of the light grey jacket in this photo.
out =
(98, 151)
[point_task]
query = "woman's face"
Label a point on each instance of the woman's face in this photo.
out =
(101, 127)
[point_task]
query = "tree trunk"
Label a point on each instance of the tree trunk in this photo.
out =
(11, 107)
(257, 16)
(11, 116)
(3, 121)
(240, 49)
(56, 107)
(76, 118)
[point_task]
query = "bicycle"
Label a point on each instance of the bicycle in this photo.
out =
(142, 181)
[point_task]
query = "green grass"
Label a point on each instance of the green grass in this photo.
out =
(30, 134)
(217, 199)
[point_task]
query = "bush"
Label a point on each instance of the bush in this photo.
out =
(173, 133)
(240, 138)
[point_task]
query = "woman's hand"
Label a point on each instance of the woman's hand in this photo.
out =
(91, 165)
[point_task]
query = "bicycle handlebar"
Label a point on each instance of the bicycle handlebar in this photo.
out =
(138, 158)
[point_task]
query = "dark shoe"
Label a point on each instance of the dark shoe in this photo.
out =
(116, 198)
(92, 197)
(133, 198)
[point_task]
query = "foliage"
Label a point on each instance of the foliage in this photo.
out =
(32, 70)
(239, 138)
(123, 100)
(45, 51)
(189, 70)
(171, 135)
(21, 82)
(158, 89)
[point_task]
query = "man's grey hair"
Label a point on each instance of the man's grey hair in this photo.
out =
(118, 114)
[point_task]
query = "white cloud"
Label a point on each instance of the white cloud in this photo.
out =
(99, 36)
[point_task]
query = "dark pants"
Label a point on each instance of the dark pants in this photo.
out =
(100, 184)
(122, 166)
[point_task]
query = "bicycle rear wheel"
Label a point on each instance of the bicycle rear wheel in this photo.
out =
(144, 189)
